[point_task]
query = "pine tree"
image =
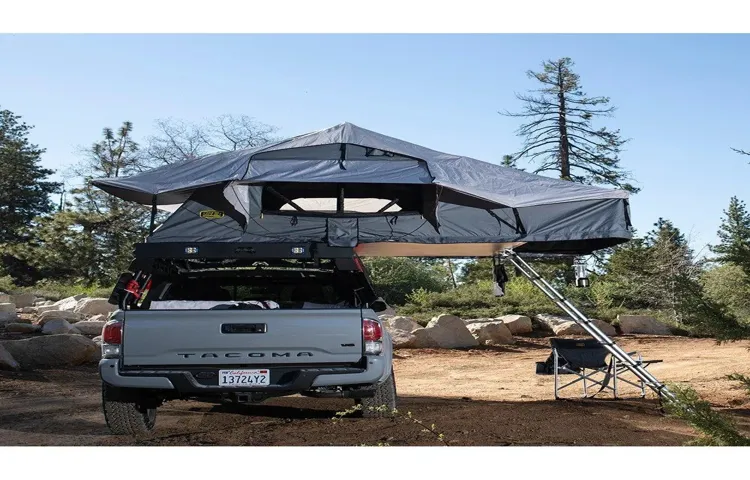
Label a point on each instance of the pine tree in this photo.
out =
(734, 236)
(114, 224)
(559, 134)
(24, 188)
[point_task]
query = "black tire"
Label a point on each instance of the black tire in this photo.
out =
(127, 417)
(383, 402)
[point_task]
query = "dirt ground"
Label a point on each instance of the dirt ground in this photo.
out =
(487, 396)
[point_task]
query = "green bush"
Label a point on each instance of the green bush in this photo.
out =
(395, 278)
(52, 290)
(477, 300)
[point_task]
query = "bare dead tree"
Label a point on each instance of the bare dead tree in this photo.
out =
(178, 140)
(559, 135)
(740, 151)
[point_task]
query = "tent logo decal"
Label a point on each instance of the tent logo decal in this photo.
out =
(211, 214)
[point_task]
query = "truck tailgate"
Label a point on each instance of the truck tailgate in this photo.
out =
(241, 337)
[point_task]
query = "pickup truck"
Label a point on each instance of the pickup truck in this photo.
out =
(243, 330)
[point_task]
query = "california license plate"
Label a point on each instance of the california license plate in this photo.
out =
(244, 378)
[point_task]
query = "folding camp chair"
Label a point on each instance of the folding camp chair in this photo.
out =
(587, 359)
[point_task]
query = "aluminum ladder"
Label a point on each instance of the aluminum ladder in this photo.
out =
(631, 364)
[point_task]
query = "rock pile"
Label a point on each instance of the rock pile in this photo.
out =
(62, 333)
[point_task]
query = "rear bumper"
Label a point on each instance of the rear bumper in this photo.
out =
(204, 380)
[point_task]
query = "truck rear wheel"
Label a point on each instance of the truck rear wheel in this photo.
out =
(127, 417)
(383, 402)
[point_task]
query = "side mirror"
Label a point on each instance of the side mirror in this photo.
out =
(379, 305)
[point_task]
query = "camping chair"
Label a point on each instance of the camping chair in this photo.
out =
(587, 359)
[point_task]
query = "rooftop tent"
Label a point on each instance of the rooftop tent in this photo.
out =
(348, 186)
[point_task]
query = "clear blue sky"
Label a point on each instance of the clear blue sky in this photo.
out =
(683, 99)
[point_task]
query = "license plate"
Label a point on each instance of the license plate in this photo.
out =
(244, 378)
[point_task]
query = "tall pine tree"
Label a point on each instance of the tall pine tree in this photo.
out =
(734, 236)
(24, 186)
(559, 135)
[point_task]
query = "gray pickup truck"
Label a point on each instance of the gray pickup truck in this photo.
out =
(243, 330)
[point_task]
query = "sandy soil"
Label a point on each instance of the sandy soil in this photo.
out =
(487, 396)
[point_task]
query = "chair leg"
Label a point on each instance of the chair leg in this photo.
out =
(555, 366)
(614, 377)
(585, 387)
(643, 385)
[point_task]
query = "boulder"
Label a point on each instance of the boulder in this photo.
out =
(7, 362)
(402, 338)
(51, 350)
(402, 323)
(70, 317)
(642, 324)
(605, 327)
(47, 308)
(94, 306)
(423, 339)
(99, 318)
(23, 300)
(97, 341)
(23, 320)
(67, 304)
(472, 321)
(58, 326)
(90, 327)
(8, 312)
(559, 325)
(29, 310)
(389, 311)
(449, 331)
(517, 324)
(22, 328)
(5, 298)
(492, 333)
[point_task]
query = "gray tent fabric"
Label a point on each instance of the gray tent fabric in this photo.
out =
(443, 199)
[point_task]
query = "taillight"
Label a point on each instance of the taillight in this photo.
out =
(372, 333)
(111, 339)
(358, 264)
(112, 332)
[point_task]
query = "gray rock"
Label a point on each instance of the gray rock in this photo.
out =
(8, 312)
(7, 362)
(51, 350)
(69, 316)
(99, 318)
(449, 331)
(29, 310)
(67, 304)
(5, 298)
(422, 339)
(23, 300)
(47, 308)
(493, 333)
(22, 328)
(58, 326)
(402, 323)
(517, 324)
(94, 306)
(642, 324)
(559, 325)
(90, 327)
(402, 338)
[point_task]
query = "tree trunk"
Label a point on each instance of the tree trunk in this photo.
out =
(563, 126)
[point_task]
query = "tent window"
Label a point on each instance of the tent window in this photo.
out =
(351, 205)
(312, 199)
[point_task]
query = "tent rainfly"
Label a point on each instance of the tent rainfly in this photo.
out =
(347, 186)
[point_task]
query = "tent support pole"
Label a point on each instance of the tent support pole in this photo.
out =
(153, 215)
(553, 294)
